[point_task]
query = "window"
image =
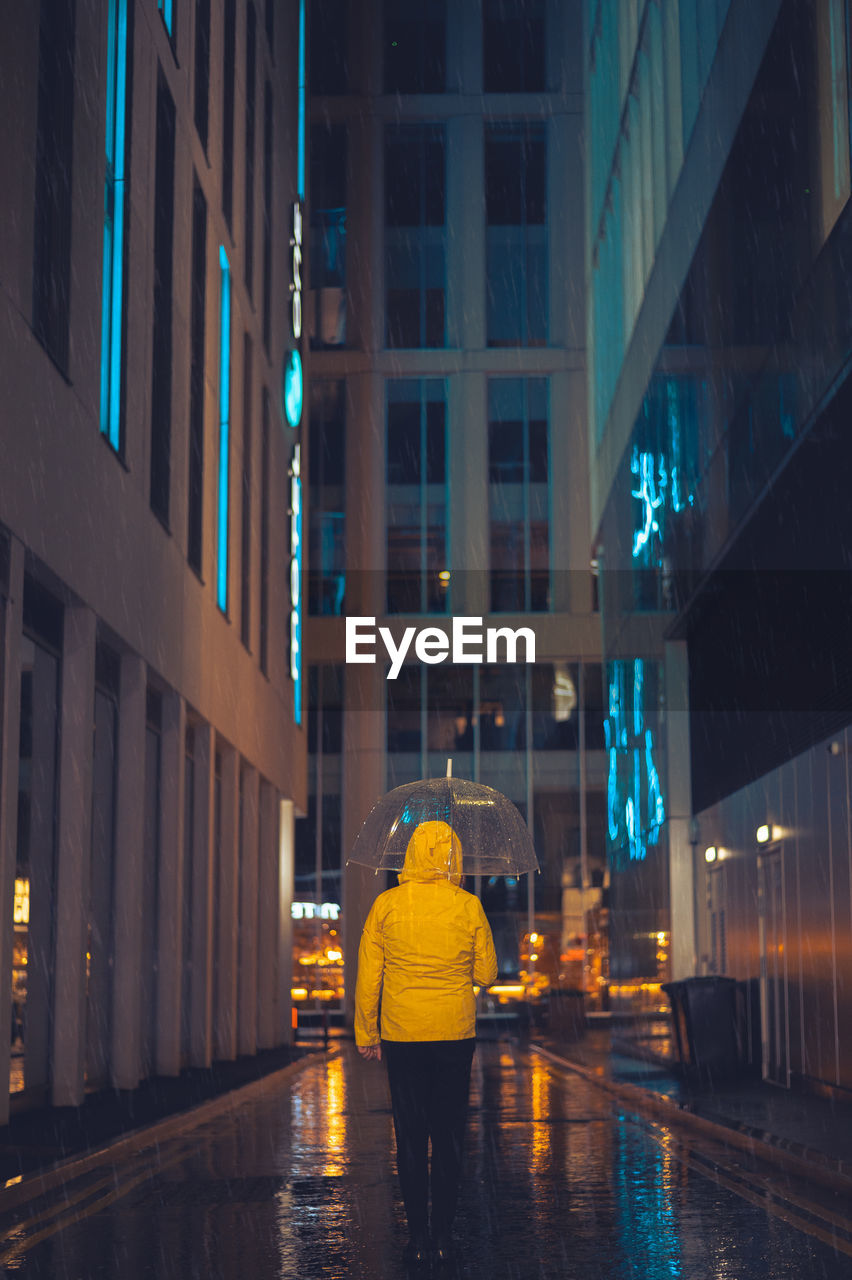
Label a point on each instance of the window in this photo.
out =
(329, 40)
(35, 855)
(325, 709)
(417, 569)
(327, 322)
(267, 213)
(513, 44)
(228, 73)
(202, 69)
(327, 529)
(161, 372)
(415, 49)
(197, 304)
(53, 170)
(112, 314)
(414, 236)
(518, 494)
(264, 536)
(245, 509)
(222, 501)
(251, 76)
(516, 242)
(555, 706)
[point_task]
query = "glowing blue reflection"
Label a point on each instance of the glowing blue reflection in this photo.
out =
(634, 796)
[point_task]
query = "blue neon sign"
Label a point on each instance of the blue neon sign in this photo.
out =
(112, 284)
(224, 431)
(296, 581)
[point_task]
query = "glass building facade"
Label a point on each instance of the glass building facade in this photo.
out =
(719, 340)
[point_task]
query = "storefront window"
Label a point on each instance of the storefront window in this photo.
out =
(35, 870)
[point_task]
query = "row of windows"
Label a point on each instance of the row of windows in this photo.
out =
(418, 570)
(414, 46)
(415, 219)
(501, 724)
(52, 260)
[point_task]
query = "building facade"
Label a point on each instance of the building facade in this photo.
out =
(152, 753)
(447, 474)
(717, 248)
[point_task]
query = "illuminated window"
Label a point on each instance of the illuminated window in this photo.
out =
(224, 431)
(414, 236)
(417, 496)
(519, 494)
(112, 318)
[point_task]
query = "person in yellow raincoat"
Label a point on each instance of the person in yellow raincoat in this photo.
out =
(425, 943)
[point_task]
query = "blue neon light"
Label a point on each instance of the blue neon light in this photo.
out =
(113, 258)
(635, 807)
(293, 389)
(296, 581)
(300, 177)
(166, 8)
(224, 432)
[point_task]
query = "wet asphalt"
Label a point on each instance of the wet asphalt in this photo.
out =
(298, 1180)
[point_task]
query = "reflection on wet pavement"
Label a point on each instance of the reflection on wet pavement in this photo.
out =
(300, 1182)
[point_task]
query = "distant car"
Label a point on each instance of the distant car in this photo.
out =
(515, 999)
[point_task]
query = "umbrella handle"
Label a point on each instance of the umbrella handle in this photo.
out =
(450, 767)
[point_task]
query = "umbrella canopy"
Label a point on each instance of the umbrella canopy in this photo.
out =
(494, 838)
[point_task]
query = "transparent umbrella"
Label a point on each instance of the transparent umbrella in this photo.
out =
(494, 838)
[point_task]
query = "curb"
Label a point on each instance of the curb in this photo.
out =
(18, 1191)
(836, 1175)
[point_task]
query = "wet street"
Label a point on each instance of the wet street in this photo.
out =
(296, 1179)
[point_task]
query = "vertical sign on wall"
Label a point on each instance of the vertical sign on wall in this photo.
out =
(293, 395)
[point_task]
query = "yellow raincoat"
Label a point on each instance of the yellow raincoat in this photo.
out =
(424, 945)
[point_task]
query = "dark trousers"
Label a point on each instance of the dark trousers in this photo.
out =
(429, 1083)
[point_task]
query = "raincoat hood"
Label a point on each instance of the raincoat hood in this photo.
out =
(434, 853)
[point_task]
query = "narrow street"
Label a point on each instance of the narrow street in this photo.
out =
(295, 1178)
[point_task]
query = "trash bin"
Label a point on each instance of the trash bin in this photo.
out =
(567, 1014)
(704, 1017)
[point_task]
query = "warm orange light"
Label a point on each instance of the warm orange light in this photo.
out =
(298, 993)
